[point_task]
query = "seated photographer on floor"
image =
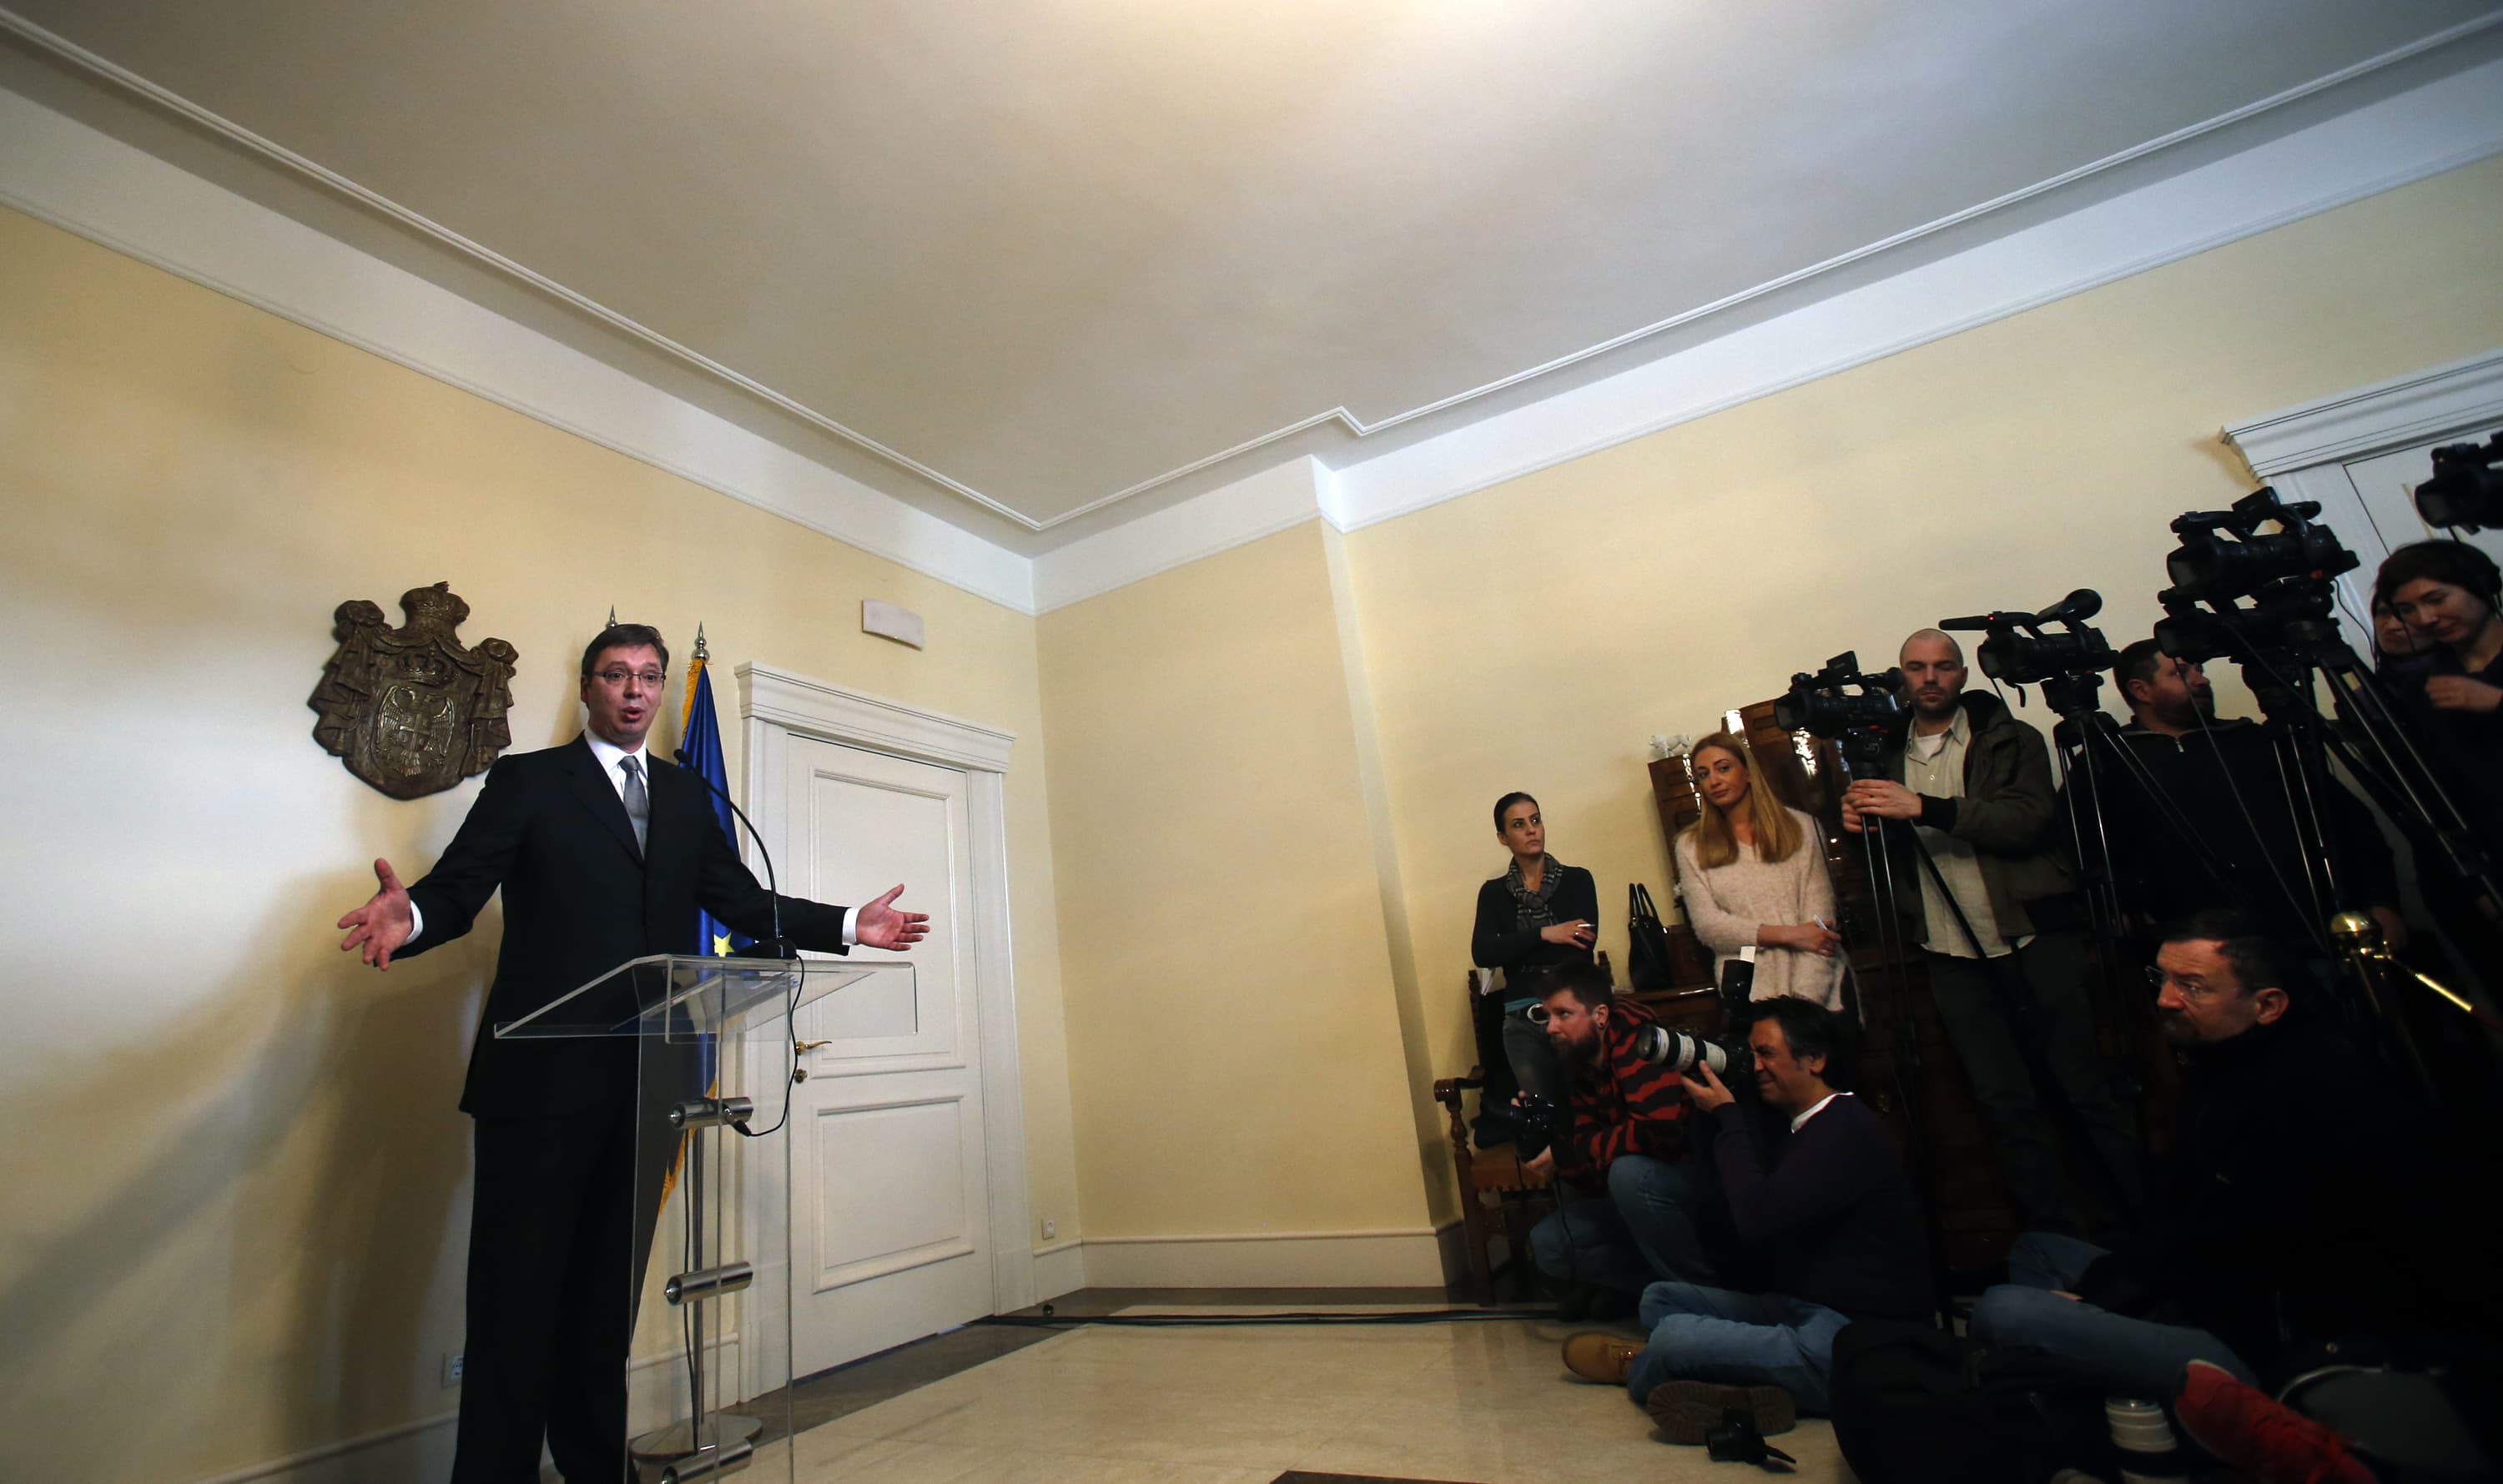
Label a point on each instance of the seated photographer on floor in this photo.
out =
(1752, 877)
(2222, 776)
(1623, 1132)
(1832, 1203)
(2279, 1216)
(1539, 915)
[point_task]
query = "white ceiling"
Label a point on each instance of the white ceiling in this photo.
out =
(1026, 260)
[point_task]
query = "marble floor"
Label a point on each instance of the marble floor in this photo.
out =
(1482, 1400)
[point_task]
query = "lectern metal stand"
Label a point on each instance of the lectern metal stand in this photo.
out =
(709, 1039)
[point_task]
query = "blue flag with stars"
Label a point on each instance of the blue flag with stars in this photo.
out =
(699, 751)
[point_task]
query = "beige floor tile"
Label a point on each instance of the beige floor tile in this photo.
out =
(1238, 1406)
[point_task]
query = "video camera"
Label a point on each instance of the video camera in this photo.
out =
(1840, 701)
(2464, 491)
(2209, 568)
(2017, 652)
(2285, 573)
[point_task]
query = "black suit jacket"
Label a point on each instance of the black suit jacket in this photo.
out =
(579, 899)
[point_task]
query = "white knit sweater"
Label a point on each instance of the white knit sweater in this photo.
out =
(1726, 904)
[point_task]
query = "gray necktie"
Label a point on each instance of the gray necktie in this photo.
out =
(638, 804)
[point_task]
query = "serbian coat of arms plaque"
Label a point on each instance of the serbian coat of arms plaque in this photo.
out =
(412, 710)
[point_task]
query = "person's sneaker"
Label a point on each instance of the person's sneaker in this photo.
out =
(1687, 1411)
(2241, 1427)
(1596, 1355)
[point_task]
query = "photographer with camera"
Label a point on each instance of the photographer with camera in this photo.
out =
(2007, 969)
(1623, 1132)
(1829, 1201)
(2221, 777)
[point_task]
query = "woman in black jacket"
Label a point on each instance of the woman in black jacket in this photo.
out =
(1538, 914)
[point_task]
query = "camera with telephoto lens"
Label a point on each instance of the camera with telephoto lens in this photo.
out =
(2208, 568)
(1839, 699)
(1542, 1124)
(2017, 649)
(2464, 489)
(1681, 1052)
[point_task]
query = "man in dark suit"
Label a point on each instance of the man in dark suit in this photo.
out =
(603, 855)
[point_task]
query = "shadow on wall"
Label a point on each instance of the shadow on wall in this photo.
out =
(275, 1250)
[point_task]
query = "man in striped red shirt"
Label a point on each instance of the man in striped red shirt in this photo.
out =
(1628, 1138)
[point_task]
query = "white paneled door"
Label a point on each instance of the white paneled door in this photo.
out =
(890, 1227)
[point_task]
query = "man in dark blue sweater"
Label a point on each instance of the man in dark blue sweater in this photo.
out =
(1829, 1202)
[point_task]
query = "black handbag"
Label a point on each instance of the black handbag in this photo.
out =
(1647, 962)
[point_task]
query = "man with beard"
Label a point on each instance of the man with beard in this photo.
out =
(1628, 1138)
(2224, 777)
(2275, 1217)
(2006, 964)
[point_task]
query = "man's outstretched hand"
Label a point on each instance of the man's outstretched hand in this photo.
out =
(382, 924)
(879, 925)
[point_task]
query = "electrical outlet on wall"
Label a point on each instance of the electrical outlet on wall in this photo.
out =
(1051, 1229)
(452, 1362)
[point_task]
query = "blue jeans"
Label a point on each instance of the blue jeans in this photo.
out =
(2134, 1357)
(1702, 1333)
(1644, 1231)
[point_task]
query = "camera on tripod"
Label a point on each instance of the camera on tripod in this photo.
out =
(1840, 701)
(2017, 651)
(2285, 573)
(2464, 489)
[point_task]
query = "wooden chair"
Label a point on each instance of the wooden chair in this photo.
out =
(1495, 1194)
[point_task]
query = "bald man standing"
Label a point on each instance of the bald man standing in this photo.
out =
(2007, 966)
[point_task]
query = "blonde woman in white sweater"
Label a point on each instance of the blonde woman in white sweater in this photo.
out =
(1753, 877)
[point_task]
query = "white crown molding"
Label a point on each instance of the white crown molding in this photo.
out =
(62, 172)
(1229, 515)
(2396, 414)
(2400, 140)
(1354, 427)
(819, 709)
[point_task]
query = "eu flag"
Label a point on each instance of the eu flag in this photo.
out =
(699, 751)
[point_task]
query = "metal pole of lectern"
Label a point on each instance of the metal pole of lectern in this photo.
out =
(692, 1449)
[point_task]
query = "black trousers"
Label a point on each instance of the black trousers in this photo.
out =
(2037, 994)
(559, 1230)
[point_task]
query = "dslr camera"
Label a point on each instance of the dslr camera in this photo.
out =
(1681, 1053)
(1541, 1122)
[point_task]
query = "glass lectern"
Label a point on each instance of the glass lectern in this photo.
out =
(713, 1051)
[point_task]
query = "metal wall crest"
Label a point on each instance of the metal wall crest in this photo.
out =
(412, 710)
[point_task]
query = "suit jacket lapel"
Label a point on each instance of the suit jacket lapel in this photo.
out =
(599, 795)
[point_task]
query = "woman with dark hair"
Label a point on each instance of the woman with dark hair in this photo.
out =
(1753, 877)
(2445, 593)
(1539, 914)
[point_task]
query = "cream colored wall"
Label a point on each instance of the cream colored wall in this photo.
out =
(1536, 634)
(1235, 1052)
(237, 1180)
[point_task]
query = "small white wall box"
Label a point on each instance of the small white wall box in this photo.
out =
(888, 621)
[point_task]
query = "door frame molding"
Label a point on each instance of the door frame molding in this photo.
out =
(775, 706)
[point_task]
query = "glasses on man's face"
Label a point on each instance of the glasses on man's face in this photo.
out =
(2191, 989)
(616, 676)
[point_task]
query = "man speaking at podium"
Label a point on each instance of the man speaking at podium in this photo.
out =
(603, 854)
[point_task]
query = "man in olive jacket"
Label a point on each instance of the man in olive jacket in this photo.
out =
(2006, 964)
